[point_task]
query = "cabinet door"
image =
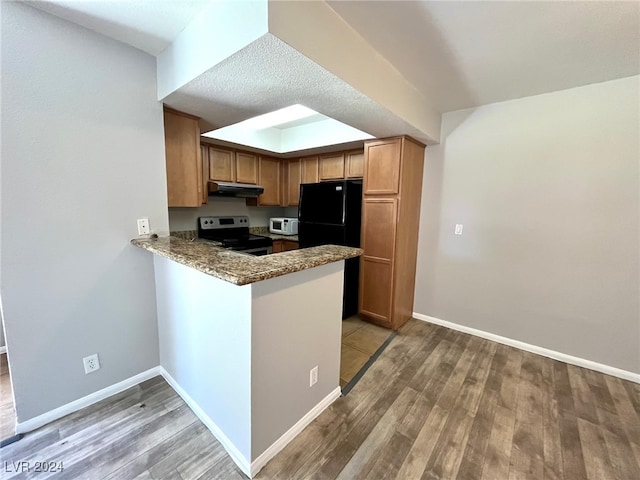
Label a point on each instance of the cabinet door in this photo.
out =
(289, 245)
(354, 167)
(332, 167)
(309, 170)
(204, 156)
(246, 168)
(382, 167)
(221, 165)
(294, 176)
(183, 160)
(375, 290)
(379, 217)
(277, 246)
(269, 178)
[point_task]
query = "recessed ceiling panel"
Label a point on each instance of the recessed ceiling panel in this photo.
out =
(289, 129)
(269, 75)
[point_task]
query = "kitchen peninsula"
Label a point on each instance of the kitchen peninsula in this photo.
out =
(240, 336)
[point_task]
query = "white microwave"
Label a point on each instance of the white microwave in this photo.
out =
(283, 226)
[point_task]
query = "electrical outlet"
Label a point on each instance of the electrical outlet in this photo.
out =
(458, 230)
(91, 363)
(313, 376)
(143, 226)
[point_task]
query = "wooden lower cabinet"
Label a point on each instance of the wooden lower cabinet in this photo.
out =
(284, 245)
(375, 290)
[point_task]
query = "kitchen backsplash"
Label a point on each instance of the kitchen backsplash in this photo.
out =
(181, 219)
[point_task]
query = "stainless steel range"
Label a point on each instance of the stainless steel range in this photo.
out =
(233, 233)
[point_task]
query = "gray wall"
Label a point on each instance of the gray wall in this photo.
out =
(82, 158)
(547, 190)
(296, 326)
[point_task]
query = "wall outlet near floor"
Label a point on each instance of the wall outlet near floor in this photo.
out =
(458, 230)
(91, 363)
(313, 376)
(143, 226)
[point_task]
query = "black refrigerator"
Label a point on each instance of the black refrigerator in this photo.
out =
(330, 213)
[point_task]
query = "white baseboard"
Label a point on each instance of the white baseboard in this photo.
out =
(55, 414)
(545, 352)
(250, 469)
(228, 445)
(290, 434)
(3, 349)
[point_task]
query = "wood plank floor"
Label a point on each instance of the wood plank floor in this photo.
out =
(437, 404)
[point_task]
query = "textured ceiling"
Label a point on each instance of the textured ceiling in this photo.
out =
(464, 54)
(456, 54)
(269, 75)
(149, 25)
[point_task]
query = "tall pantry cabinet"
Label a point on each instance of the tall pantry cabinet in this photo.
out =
(390, 216)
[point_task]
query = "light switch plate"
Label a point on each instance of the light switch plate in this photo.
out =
(458, 230)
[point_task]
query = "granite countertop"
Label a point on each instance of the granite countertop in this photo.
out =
(242, 269)
(276, 236)
(264, 231)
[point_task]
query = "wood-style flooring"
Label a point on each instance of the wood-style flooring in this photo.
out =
(437, 404)
(7, 412)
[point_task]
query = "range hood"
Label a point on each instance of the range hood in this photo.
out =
(227, 189)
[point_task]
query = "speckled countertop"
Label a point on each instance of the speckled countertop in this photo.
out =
(275, 236)
(264, 231)
(242, 269)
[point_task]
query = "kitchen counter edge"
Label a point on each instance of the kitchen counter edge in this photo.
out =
(241, 269)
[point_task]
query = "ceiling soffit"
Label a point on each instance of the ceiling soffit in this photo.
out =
(288, 53)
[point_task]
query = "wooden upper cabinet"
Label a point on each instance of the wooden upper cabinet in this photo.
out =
(204, 154)
(294, 178)
(246, 168)
(354, 164)
(309, 170)
(332, 166)
(183, 159)
(382, 167)
(221, 165)
(269, 178)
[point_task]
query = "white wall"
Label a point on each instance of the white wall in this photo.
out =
(217, 32)
(187, 218)
(547, 188)
(82, 158)
(207, 351)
